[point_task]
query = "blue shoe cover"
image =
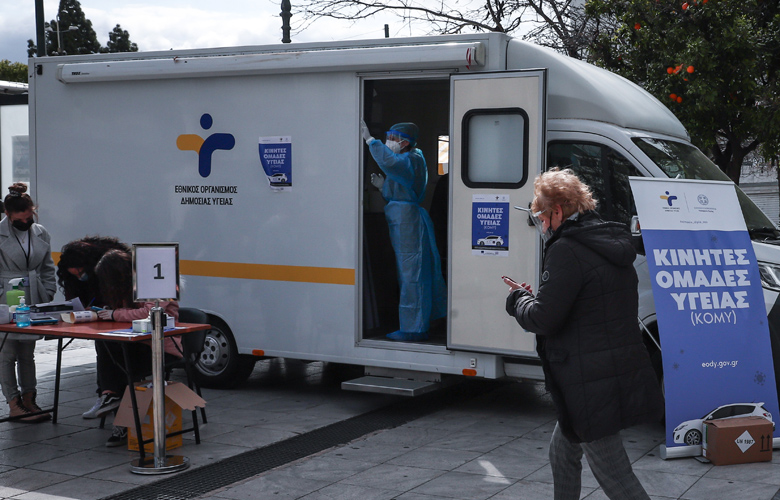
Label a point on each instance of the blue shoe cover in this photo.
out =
(416, 336)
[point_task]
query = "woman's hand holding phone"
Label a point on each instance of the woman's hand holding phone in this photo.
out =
(513, 285)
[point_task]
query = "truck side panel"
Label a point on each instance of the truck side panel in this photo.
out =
(109, 164)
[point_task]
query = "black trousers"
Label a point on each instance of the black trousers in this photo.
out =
(110, 364)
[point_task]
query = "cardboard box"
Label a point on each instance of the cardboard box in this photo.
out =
(737, 440)
(178, 397)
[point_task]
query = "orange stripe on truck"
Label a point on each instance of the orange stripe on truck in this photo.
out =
(302, 274)
(331, 275)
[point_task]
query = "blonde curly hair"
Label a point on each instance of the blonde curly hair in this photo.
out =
(564, 188)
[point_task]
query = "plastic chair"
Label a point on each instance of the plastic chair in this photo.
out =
(192, 346)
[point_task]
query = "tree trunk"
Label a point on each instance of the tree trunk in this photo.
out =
(777, 172)
(730, 158)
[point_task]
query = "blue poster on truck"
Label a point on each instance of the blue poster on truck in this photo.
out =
(490, 225)
(276, 159)
(712, 320)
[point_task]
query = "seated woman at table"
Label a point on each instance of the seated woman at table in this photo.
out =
(114, 274)
(25, 252)
(76, 278)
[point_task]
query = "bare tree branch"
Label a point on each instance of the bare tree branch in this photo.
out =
(559, 24)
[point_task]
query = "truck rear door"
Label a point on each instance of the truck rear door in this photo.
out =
(497, 149)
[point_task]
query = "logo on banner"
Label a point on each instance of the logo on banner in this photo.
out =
(669, 199)
(703, 200)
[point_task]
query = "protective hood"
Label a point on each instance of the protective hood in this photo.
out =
(611, 240)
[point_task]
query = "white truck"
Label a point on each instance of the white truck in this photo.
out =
(167, 146)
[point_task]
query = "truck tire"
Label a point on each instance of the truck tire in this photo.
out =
(219, 364)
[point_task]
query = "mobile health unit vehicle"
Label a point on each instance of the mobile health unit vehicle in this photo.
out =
(295, 261)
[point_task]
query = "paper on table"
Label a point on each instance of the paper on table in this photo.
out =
(123, 333)
(79, 317)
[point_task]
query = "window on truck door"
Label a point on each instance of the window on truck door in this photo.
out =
(602, 168)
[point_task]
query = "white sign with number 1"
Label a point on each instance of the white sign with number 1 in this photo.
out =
(155, 271)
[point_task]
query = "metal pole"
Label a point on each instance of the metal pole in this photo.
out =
(163, 463)
(40, 34)
(286, 15)
(159, 386)
(59, 37)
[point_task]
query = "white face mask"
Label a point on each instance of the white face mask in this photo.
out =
(394, 146)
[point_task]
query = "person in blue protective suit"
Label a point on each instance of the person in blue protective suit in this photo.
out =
(423, 291)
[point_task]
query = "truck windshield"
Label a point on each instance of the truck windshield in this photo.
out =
(683, 161)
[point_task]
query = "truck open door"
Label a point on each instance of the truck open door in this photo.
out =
(497, 148)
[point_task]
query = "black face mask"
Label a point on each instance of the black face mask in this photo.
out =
(22, 225)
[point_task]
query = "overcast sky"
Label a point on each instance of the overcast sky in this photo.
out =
(182, 24)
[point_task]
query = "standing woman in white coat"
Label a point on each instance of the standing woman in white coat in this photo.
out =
(25, 252)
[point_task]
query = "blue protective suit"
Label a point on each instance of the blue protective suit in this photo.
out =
(423, 291)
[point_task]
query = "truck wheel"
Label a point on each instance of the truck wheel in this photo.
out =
(693, 437)
(219, 364)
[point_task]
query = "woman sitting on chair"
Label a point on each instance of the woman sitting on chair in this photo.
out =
(114, 274)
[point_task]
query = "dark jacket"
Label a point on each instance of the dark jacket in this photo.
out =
(596, 366)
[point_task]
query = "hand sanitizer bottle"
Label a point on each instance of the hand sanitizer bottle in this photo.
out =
(22, 314)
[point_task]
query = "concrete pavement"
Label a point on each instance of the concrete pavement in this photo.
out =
(491, 443)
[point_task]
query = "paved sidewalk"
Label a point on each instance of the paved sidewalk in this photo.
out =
(492, 446)
(69, 460)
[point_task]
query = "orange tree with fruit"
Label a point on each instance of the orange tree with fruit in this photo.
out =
(714, 63)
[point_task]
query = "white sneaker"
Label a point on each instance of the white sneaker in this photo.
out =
(108, 402)
(92, 412)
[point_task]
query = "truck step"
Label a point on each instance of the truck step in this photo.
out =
(387, 385)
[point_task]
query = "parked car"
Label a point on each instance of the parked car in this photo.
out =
(491, 241)
(690, 431)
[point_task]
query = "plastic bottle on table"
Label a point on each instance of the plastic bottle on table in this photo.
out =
(12, 296)
(22, 314)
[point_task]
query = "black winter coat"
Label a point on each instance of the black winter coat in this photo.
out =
(596, 366)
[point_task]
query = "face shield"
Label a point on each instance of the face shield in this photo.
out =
(538, 223)
(395, 139)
